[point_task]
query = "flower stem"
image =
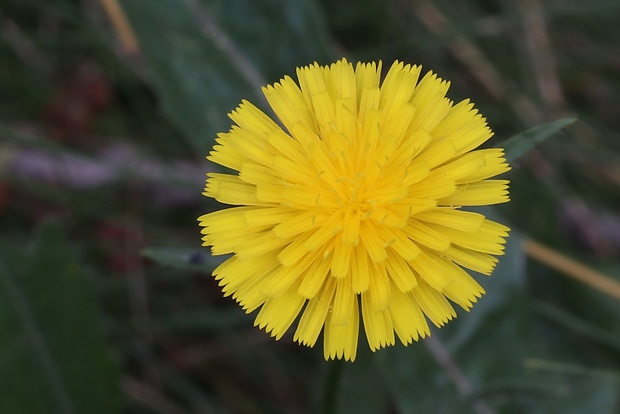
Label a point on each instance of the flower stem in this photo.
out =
(332, 386)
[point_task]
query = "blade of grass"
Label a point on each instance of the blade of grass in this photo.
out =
(194, 259)
(578, 325)
(522, 143)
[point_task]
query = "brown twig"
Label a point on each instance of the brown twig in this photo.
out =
(572, 268)
(129, 42)
(541, 56)
(168, 183)
(149, 396)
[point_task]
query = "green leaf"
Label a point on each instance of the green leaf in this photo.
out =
(579, 389)
(204, 57)
(195, 259)
(195, 82)
(522, 143)
(292, 33)
(53, 356)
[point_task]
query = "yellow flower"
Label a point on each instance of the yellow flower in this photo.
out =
(355, 204)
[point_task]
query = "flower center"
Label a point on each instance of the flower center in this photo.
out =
(352, 194)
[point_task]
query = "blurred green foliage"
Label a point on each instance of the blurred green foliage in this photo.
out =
(109, 144)
(52, 351)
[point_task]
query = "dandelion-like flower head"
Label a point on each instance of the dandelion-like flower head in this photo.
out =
(355, 206)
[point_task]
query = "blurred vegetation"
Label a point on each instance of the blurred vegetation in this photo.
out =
(107, 110)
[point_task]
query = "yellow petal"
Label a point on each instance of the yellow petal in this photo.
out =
(341, 259)
(316, 277)
(229, 189)
(455, 219)
(480, 262)
(463, 290)
(488, 240)
(360, 270)
(277, 314)
(315, 314)
(407, 317)
(425, 235)
(481, 193)
(400, 272)
(341, 339)
(377, 324)
(372, 242)
(430, 268)
(433, 304)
